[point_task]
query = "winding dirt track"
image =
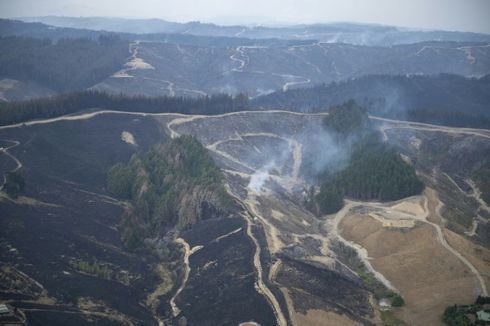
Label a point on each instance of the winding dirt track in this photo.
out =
(362, 252)
(439, 234)
(398, 124)
(187, 270)
(260, 286)
(477, 195)
(6, 152)
(288, 79)
(241, 62)
(442, 240)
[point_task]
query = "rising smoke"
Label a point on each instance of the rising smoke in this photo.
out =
(261, 176)
(319, 152)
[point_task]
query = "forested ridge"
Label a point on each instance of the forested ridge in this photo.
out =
(174, 184)
(375, 170)
(442, 99)
(43, 108)
(64, 65)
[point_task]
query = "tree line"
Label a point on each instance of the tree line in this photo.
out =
(43, 108)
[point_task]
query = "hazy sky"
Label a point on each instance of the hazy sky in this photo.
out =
(462, 15)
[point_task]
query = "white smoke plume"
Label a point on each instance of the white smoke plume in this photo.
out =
(275, 162)
(318, 152)
(259, 178)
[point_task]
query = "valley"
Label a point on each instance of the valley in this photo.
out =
(281, 236)
(288, 239)
(183, 173)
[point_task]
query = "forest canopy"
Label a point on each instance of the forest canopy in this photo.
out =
(162, 183)
(375, 170)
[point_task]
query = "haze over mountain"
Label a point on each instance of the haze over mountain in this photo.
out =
(359, 34)
(179, 173)
(176, 64)
(451, 15)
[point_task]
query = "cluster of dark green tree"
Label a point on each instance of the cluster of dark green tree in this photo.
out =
(65, 65)
(15, 112)
(458, 315)
(441, 99)
(172, 178)
(397, 301)
(100, 270)
(481, 300)
(14, 184)
(482, 180)
(375, 169)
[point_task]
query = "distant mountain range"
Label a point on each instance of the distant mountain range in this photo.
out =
(359, 34)
(183, 64)
(175, 69)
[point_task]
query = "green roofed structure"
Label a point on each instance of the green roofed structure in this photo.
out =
(483, 315)
(4, 309)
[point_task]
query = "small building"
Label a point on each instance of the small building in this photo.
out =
(4, 310)
(483, 315)
(385, 304)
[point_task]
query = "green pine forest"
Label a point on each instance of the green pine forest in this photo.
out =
(375, 170)
(158, 182)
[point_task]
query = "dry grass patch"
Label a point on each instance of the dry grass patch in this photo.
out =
(428, 276)
(316, 317)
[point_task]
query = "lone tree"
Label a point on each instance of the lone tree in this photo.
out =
(14, 184)
(397, 301)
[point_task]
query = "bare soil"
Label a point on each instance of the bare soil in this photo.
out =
(316, 317)
(428, 276)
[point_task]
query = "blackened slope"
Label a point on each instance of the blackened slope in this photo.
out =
(64, 164)
(312, 287)
(220, 289)
(67, 65)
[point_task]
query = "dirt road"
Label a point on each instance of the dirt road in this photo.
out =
(260, 286)
(187, 269)
(6, 152)
(423, 218)
(399, 124)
